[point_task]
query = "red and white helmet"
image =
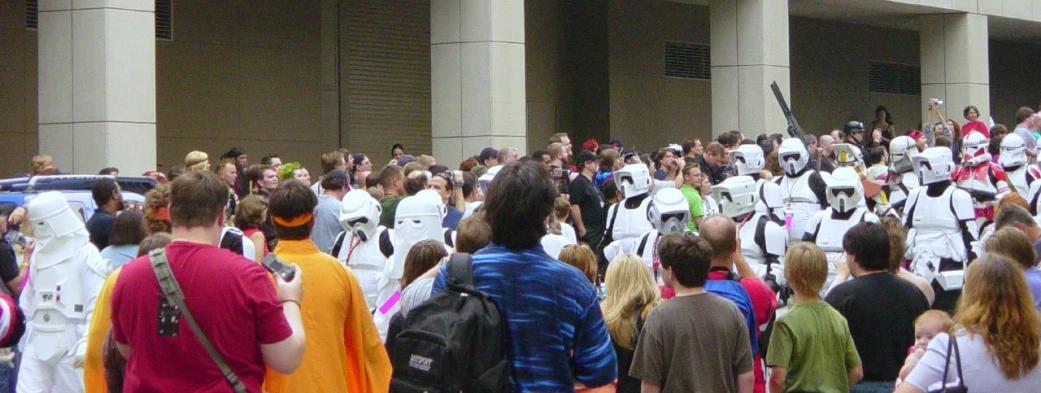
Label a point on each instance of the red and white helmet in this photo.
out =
(974, 145)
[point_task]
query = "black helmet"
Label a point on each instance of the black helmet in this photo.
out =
(853, 127)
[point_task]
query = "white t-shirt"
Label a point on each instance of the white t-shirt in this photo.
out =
(980, 368)
(470, 208)
(553, 244)
(568, 231)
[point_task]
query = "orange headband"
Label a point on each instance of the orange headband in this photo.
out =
(294, 222)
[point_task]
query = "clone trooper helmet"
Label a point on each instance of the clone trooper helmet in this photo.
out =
(669, 211)
(1013, 151)
(52, 218)
(933, 165)
(793, 156)
(748, 159)
(974, 148)
(417, 218)
(848, 155)
(770, 200)
(901, 150)
(360, 214)
(633, 179)
(486, 179)
(844, 189)
(736, 196)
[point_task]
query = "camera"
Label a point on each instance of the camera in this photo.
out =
(936, 101)
(15, 238)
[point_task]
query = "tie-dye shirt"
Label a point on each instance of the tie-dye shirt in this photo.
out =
(557, 332)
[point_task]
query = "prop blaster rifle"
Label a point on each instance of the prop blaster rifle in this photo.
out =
(794, 130)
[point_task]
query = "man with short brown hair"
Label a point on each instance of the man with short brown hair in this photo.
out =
(713, 163)
(230, 298)
(392, 181)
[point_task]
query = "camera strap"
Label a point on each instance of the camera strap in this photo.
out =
(172, 291)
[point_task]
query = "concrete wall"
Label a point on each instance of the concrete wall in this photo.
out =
(648, 109)
(18, 92)
(545, 90)
(1014, 79)
(829, 77)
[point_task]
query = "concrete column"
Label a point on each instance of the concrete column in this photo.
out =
(97, 84)
(749, 52)
(955, 64)
(477, 76)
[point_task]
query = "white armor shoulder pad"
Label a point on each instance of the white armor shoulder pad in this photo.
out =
(776, 239)
(92, 258)
(962, 203)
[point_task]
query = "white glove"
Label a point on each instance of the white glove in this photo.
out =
(78, 353)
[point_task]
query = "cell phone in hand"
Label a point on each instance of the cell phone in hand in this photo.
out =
(277, 266)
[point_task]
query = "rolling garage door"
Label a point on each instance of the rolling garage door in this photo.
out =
(385, 76)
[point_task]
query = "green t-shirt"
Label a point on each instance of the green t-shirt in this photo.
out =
(390, 208)
(696, 209)
(812, 341)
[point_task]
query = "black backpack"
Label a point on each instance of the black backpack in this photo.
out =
(453, 342)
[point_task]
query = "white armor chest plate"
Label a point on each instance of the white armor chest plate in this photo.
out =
(631, 222)
(829, 237)
(366, 262)
(799, 202)
(976, 178)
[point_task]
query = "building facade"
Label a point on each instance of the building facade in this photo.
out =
(132, 83)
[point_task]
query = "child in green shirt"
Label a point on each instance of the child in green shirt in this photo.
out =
(811, 349)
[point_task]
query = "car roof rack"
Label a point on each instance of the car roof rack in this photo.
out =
(135, 184)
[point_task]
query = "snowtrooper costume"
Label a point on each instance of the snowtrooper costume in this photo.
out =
(941, 227)
(902, 177)
(628, 218)
(802, 187)
(417, 218)
(364, 246)
(827, 227)
(1013, 160)
(66, 272)
(984, 180)
(668, 212)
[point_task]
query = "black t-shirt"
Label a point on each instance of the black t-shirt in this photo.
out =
(590, 203)
(100, 227)
(8, 262)
(880, 309)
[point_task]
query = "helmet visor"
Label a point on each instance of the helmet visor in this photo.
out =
(838, 191)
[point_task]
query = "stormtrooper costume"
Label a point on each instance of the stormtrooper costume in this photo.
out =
(364, 246)
(628, 219)
(1013, 160)
(668, 212)
(66, 272)
(232, 239)
(827, 227)
(984, 180)
(941, 227)
(417, 218)
(902, 177)
(802, 187)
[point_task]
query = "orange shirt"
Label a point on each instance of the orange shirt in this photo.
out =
(100, 323)
(344, 352)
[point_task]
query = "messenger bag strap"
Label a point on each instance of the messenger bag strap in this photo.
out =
(172, 291)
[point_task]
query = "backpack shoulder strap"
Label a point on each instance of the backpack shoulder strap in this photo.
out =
(643, 244)
(338, 245)
(460, 269)
(172, 291)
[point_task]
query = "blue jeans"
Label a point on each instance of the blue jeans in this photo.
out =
(873, 387)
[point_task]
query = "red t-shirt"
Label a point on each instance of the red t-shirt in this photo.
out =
(232, 300)
(977, 126)
(764, 304)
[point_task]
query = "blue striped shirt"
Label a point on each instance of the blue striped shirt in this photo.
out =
(557, 332)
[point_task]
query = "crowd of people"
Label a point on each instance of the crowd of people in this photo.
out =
(854, 261)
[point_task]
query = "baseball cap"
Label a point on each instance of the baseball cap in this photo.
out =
(487, 153)
(405, 159)
(337, 174)
(584, 156)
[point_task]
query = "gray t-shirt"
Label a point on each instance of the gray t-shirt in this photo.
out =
(981, 370)
(1028, 138)
(695, 343)
(326, 223)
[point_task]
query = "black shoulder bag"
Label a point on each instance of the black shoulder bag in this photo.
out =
(960, 387)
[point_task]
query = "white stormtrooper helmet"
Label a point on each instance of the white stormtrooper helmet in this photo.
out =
(669, 211)
(1013, 151)
(793, 156)
(736, 196)
(486, 179)
(934, 165)
(360, 214)
(51, 218)
(748, 159)
(417, 218)
(901, 150)
(633, 180)
(974, 149)
(844, 189)
(848, 155)
(770, 200)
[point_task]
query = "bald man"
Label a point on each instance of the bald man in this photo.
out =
(755, 300)
(825, 153)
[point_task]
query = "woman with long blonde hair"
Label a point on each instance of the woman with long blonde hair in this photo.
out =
(631, 295)
(997, 332)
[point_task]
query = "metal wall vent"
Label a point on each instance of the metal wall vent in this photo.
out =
(32, 14)
(687, 60)
(895, 78)
(164, 20)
